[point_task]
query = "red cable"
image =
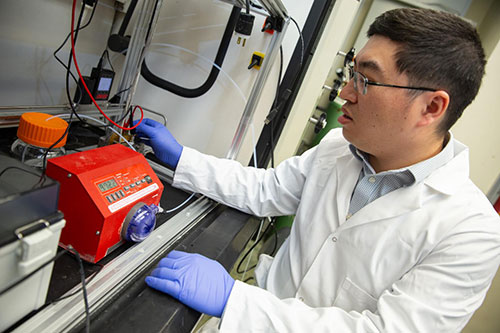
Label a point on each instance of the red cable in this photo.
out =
(83, 81)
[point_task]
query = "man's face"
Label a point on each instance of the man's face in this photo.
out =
(382, 122)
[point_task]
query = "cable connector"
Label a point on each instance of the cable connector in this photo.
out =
(272, 24)
(244, 27)
(274, 111)
(272, 114)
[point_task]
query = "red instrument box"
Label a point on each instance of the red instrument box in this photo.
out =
(98, 189)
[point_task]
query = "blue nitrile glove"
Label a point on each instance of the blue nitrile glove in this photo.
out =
(200, 283)
(166, 148)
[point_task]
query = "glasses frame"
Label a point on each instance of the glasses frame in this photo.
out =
(356, 75)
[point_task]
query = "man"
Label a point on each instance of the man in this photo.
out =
(390, 233)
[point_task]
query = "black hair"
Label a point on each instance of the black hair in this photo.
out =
(437, 49)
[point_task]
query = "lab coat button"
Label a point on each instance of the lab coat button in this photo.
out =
(301, 299)
(334, 239)
(348, 216)
(371, 180)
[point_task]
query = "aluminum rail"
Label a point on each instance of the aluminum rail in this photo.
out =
(272, 7)
(135, 52)
(69, 313)
(9, 115)
(257, 89)
(275, 8)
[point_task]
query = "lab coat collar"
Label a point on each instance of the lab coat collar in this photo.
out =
(446, 179)
(450, 177)
(348, 169)
(347, 173)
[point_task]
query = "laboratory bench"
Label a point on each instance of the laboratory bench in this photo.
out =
(214, 230)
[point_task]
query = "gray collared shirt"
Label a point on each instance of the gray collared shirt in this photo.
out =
(372, 185)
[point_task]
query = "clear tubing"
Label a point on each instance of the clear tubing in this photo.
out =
(130, 145)
(227, 76)
(182, 204)
(97, 121)
(206, 60)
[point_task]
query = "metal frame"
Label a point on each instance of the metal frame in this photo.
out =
(9, 115)
(139, 42)
(273, 7)
(256, 92)
(292, 79)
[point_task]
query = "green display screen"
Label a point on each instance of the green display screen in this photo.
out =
(107, 185)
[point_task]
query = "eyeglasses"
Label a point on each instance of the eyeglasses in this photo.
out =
(361, 83)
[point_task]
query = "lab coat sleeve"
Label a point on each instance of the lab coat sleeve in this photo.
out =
(437, 295)
(256, 191)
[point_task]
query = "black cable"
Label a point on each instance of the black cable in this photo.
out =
(91, 277)
(57, 256)
(118, 93)
(301, 40)
(68, 95)
(274, 111)
(275, 246)
(105, 54)
(68, 71)
(64, 43)
(219, 59)
(125, 115)
(278, 103)
(18, 168)
(250, 250)
(84, 288)
(248, 6)
(128, 16)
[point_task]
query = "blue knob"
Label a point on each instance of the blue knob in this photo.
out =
(141, 224)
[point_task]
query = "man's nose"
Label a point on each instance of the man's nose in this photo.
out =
(348, 93)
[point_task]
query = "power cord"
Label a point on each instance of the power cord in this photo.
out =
(301, 40)
(84, 288)
(264, 233)
(73, 52)
(64, 43)
(88, 280)
(82, 276)
(274, 111)
(68, 95)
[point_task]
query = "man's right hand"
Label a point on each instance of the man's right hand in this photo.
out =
(164, 145)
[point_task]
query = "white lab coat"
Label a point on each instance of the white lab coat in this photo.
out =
(418, 259)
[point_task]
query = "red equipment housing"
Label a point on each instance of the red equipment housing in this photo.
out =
(98, 189)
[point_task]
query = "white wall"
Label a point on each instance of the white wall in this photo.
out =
(30, 31)
(479, 128)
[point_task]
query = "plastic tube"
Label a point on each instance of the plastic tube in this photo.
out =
(212, 76)
(182, 204)
(208, 61)
(227, 76)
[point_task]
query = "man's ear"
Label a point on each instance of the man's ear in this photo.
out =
(434, 107)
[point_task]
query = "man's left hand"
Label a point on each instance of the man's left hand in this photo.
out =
(200, 283)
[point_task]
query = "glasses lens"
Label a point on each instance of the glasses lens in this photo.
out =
(360, 83)
(355, 76)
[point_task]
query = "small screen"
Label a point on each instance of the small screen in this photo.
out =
(104, 84)
(107, 185)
